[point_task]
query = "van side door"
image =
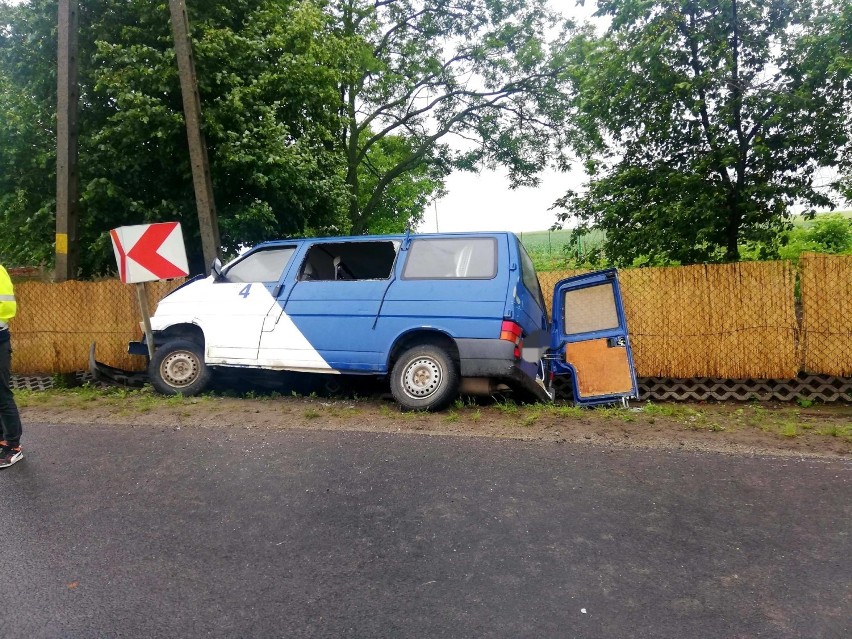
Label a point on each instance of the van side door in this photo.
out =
(589, 338)
(329, 317)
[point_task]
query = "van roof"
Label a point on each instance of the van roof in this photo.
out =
(395, 236)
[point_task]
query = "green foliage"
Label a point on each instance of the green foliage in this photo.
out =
(268, 76)
(832, 233)
(480, 71)
(402, 202)
(824, 233)
(320, 117)
(701, 123)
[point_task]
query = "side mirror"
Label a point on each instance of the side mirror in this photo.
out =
(216, 269)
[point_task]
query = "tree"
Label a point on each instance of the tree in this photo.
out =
(27, 136)
(840, 43)
(269, 75)
(320, 116)
(479, 72)
(704, 120)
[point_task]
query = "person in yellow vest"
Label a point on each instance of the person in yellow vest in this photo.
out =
(10, 419)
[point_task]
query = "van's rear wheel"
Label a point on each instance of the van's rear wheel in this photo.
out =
(178, 367)
(425, 378)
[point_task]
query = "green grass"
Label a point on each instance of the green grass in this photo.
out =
(783, 422)
(556, 410)
(616, 412)
(836, 430)
(529, 420)
(507, 407)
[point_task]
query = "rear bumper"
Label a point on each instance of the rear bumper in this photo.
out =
(494, 358)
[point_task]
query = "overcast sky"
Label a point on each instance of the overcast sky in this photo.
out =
(484, 201)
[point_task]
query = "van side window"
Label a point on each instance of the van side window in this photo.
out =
(466, 258)
(261, 266)
(530, 277)
(349, 261)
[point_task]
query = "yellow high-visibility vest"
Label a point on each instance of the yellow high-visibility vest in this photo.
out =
(8, 307)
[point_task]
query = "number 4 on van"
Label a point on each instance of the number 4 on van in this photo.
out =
(435, 315)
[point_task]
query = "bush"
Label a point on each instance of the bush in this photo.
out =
(832, 232)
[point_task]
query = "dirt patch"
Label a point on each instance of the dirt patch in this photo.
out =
(753, 428)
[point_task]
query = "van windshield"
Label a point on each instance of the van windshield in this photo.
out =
(469, 258)
(261, 266)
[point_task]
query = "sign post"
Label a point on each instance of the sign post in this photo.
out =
(146, 253)
(142, 296)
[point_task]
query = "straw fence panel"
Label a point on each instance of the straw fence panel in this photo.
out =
(721, 321)
(826, 287)
(730, 320)
(57, 323)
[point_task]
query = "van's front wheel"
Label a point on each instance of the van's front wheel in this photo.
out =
(425, 378)
(178, 367)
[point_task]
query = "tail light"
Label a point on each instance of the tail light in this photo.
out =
(512, 332)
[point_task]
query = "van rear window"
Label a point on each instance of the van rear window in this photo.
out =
(530, 277)
(466, 258)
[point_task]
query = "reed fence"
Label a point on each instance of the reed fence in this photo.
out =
(57, 323)
(728, 320)
(736, 321)
(826, 287)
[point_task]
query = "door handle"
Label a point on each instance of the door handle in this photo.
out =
(616, 342)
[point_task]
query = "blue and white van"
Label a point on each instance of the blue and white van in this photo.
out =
(436, 314)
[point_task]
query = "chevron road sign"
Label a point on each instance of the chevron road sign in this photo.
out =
(149, 252)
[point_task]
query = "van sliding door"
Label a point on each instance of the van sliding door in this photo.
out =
(328, 320)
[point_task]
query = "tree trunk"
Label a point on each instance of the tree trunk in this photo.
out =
(732, 230)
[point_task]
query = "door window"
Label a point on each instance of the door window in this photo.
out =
(261, 266)
(530, 277)
(590, 309)
(349, 261)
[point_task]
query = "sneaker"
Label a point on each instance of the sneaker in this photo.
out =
(9, 456)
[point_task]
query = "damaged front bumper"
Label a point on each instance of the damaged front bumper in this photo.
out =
(111, 375)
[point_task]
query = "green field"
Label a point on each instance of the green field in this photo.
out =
(553, 250)
(801, 222)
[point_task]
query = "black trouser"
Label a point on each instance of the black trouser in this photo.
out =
(9, 417)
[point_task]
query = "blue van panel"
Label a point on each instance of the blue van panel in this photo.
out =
(352, 325)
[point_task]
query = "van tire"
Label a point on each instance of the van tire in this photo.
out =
(178, 368)
(425, 377)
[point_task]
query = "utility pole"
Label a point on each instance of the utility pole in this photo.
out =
(67, 190)
(207, 221)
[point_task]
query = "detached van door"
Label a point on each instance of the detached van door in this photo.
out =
(589, 338)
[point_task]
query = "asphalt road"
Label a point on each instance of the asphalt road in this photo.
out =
(165, 532)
